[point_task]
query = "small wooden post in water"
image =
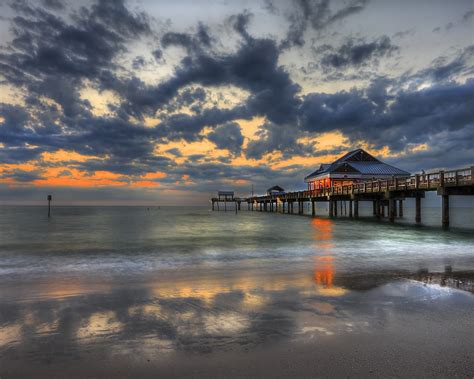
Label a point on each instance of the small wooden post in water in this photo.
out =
(49, 205)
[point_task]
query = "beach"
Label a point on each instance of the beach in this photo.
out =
(186, 292)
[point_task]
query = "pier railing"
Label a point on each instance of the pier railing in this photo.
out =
(426, 182)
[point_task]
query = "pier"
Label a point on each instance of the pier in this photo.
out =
(386, 196)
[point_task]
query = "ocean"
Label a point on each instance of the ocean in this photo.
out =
(158, 286)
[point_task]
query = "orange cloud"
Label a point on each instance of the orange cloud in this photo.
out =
(145, 183)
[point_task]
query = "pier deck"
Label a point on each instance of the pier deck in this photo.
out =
(383, 193)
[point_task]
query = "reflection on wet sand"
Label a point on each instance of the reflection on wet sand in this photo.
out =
(202, 312)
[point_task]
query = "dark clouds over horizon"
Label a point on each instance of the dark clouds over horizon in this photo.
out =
(114, 95)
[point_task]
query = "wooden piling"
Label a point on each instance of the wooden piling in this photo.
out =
(400, 208)
(378, 212)
(418, 209)
(331, 208)
(313, 208)
(374, 206)
(356, 208)
(445, 210)
(350, 208)
(391, 210)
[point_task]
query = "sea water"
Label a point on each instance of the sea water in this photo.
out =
(108, 281)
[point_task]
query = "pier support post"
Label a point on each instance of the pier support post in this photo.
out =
(356, 208)
(374, 205)
(335, 207)
(391, 210)
(418, 209)
(212, 204)
(238, 205)
(445, 210)
(225, 205)
(382, 209)
(331, 208)
(350, 208)
(400, 208)
(378, 208)
(313, 208)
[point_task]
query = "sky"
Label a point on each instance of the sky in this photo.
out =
(164, 103)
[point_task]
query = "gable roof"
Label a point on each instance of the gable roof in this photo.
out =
(275, 188)
(358, 161)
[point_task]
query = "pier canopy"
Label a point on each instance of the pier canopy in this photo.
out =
(275, 190)
(355, 166)
(225, 195)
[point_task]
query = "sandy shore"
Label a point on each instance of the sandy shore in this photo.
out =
(237, 324)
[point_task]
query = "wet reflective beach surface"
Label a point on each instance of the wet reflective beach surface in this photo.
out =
(134, 292)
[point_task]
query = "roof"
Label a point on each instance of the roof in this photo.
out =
(358, 161)
(225, 192)
(275, 188)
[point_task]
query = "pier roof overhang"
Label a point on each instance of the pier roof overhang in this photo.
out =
(356, 164)
(275, 188)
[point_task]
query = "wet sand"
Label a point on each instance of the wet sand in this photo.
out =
(194, 323)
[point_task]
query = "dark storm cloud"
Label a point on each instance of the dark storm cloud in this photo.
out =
(410, 117)
(253, 67)
(50, 56)
(356, 53)
(276, 137)
(228, 136)
(189, 127)
(317, 15)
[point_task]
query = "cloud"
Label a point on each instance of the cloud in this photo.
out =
(253, 67)
(21, 176)
(356, 53)
(444, 69)
(317, 15)
(228, 136)
(53, 57)
(409, 117)
(50, 56)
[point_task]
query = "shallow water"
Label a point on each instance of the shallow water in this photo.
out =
(110, 283)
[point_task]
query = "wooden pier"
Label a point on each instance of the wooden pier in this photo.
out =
(384, 195)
